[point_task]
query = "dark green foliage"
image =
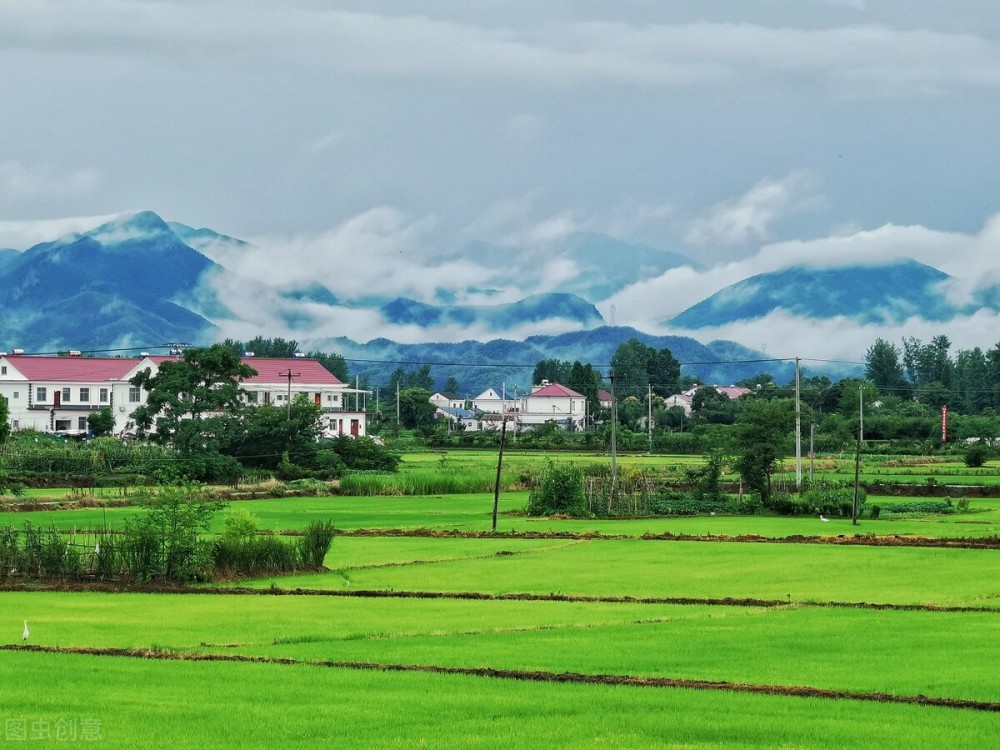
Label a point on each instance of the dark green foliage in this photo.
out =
(166, 544)
(818, 498)
(254, 555)
(706, 480)
(361, 454)
(415, 408)
(102, 422)
(920, 507)
(4, 420)
(759, 441)
(175, 518)
(976, 456)
(559, 491)
(673, 503)
(637, 367)
(183, 390)
(884, 369)
(257, 437)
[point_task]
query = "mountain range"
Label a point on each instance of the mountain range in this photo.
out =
(882, 294)
(141, 282)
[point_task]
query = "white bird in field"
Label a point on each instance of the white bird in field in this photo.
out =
(25, 634)
(824, 519)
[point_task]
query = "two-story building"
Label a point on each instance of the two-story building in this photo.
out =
(550, 402)
(57, 394)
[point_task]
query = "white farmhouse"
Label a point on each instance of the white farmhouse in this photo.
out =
(553, 402)
(57, 394)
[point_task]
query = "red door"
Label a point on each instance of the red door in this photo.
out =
(355, 427)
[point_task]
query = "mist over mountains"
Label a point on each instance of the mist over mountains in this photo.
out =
(373, 293)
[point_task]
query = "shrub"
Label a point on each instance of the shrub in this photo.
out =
(976, 456)
(363, 454)
(315, 543)
(559, 490)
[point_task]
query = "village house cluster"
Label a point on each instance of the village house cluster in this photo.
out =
(547, 402)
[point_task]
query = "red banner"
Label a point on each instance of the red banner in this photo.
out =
(944, 423)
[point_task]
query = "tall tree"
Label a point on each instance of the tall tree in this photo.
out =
(927, 363)
(760, 436)
(335, 364)
(420, 378)
(971, 383)
(4, 420)
(884, 369)
(178, 396)
(415, 408)
(637, 366)
(585, 380)
(553, 370)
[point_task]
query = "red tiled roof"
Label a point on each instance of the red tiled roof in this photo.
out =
(557, 390)
(733, 391)
(275, 370)
(303, 371)
(71, 369)
(603, 395)
(97, 369)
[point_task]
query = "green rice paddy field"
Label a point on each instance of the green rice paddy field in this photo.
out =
(440, 641)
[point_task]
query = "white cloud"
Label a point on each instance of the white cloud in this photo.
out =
(552, 229)
(22, 234)
(750, 217)
(785, 335)
(970, 258)
(631, 216)
(556, 52)
(22, 182)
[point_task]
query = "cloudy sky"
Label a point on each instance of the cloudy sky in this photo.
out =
(383, 133)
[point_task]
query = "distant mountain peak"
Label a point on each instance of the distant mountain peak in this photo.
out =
(877, 293)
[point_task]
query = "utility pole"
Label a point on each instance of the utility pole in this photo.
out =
(812, 452)
(614, 433)
(861, 411)
(857, 480)
(496, 489)
(649, 416)
(397, 406)
(288, 396)
(798, 429)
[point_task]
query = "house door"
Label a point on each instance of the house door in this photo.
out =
(355, 427)
(57, 399)
(319, 399)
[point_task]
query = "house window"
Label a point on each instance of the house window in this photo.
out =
(63, 425)
(3, 369)
(104, 395)
(85, 395)
(65, 395)
(134, 394)
(81, 423)
(17, 394)
(14, 424)
(41, 394)
(252, 397)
